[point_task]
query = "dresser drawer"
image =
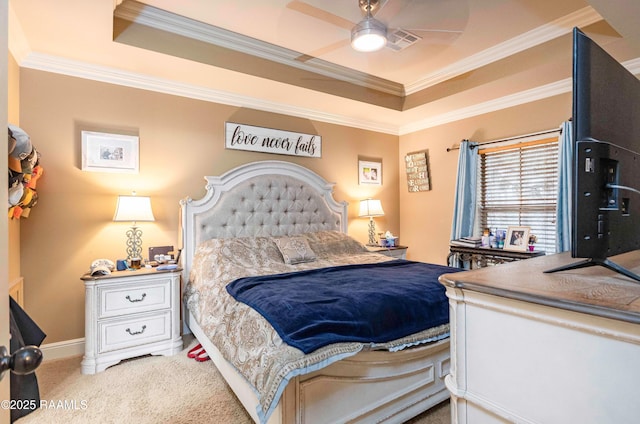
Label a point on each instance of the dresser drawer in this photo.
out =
(128, 299)
(123, 333)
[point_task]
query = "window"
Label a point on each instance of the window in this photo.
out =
(518, 186)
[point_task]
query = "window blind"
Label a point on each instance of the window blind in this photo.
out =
(518, 187)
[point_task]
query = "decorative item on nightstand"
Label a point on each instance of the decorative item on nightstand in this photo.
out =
(370, 208)
(134, 208)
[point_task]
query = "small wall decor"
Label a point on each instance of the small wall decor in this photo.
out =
(268, 140)
(517, 239)
(417, 165)
(103, 152)
(369, 172)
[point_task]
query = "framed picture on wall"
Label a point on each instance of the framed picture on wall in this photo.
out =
(517, 239)
(103, 152)
(369, 172)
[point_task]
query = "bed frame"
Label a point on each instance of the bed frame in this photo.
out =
(373, 386)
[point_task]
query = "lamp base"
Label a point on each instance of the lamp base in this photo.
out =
(134, 243)
(372, 233)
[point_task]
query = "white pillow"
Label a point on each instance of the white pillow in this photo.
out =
(295, 250)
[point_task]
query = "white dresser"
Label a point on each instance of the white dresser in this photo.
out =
(530, 347)
(129, 314)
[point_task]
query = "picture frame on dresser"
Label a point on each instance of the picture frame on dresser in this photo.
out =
(517, 239)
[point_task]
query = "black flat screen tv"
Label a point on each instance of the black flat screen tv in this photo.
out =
(606, 162)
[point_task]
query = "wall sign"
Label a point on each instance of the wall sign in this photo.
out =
(268, 140)
(417, 165)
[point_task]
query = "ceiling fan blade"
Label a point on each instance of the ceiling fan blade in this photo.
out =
(323, 15)
(389, 9)
(427, 15)
(323, 50)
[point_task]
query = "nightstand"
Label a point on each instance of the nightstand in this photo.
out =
(398, 252)
(129, 314)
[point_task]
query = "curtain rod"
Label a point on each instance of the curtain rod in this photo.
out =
(517, 137)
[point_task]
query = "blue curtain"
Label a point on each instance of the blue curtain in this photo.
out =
(565, 177)
(464, 209)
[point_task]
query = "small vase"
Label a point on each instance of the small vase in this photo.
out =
(531, 248)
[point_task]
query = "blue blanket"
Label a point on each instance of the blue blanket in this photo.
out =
(352, 303)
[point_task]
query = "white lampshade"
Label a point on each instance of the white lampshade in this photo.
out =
(369, 35)
(370, 207)
(133, 208)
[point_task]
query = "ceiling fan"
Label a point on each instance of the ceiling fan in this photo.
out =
(369, 34)
(375, 30)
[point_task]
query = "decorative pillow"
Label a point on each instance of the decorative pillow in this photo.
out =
(295, 250)
(332, 243)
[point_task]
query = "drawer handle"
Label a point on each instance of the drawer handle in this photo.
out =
(135, 333)
(136, 300)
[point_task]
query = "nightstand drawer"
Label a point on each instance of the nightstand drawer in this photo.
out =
(129, 299)
(120, 334)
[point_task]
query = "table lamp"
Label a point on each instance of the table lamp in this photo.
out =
(370, 208)
(134, 208)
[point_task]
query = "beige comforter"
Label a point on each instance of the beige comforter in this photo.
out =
(242, 335)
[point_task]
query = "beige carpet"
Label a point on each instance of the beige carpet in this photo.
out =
(149, 390)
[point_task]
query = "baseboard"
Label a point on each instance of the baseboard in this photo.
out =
(75, 347)
(60, 350)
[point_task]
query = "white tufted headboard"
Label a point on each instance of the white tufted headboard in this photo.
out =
(268, 198)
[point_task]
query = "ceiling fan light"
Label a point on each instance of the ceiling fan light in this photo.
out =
(369, 35)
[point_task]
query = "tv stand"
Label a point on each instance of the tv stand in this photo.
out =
(595, 261)
(529, 347)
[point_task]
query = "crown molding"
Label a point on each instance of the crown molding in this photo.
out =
(153, 17)
(55, 64)
(516, 99)
(633, 66)
(78, 69)
(157, 18)
(537, 36)
(527, 96)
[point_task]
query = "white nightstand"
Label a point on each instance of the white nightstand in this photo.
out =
(129, 314)
(398, 252)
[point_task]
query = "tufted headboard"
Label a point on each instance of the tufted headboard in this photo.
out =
(267, 198)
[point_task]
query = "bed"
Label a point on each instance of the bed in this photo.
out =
(243, 226)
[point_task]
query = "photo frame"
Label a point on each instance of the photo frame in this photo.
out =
(369, 172)
(517, 239)
(104, 152)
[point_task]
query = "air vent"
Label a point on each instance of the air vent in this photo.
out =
(400, 39)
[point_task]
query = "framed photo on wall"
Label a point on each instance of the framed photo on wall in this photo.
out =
(369, 172)
(517, 239)
(103, 152)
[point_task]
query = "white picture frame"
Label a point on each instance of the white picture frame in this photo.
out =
(104, 152)
(517, 239)
(369, 172)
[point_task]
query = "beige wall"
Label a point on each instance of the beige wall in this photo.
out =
(181, 140)
(14, 118)
(425, 217)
